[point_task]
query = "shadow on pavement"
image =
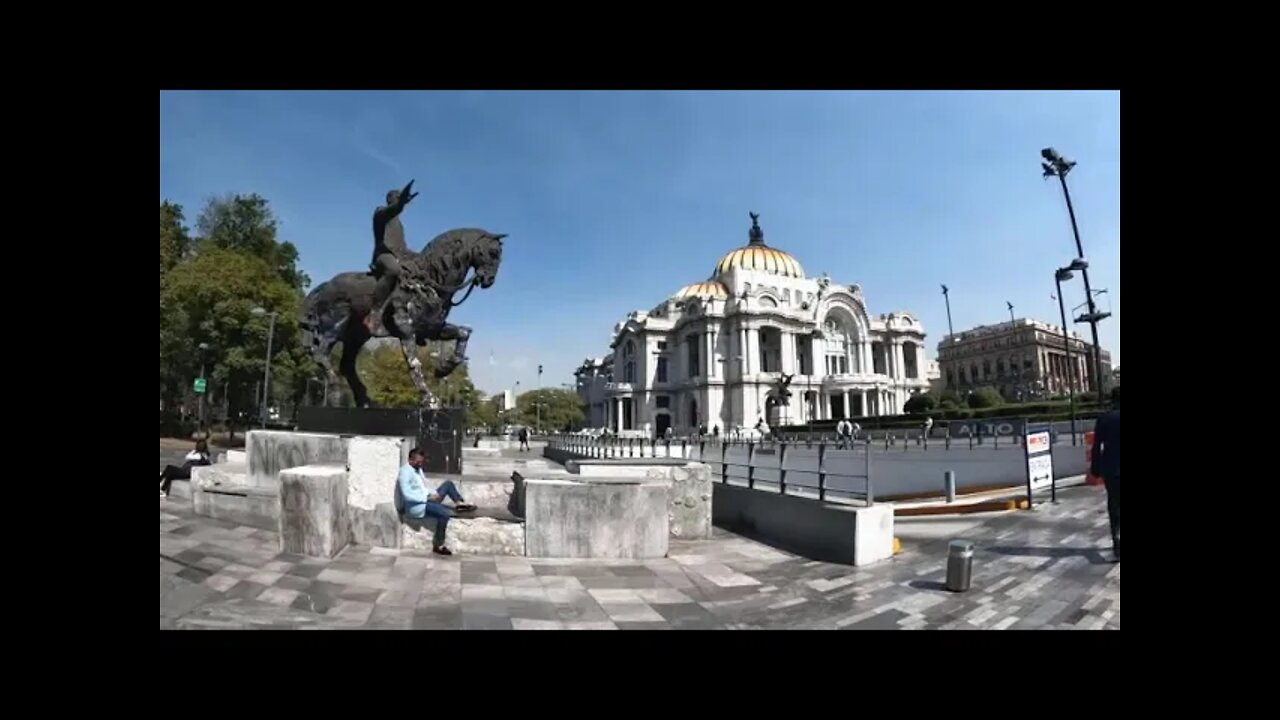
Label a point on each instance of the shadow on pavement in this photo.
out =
(1093, 555)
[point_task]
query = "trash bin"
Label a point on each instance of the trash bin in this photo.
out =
(959, 565)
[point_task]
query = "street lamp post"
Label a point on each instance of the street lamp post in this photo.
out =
(266, 373)
(946, 295)
(1057, 166)
(1062, 274)
(202, 347)
(538, 406)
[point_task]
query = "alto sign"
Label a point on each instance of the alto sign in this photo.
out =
(1004, 427)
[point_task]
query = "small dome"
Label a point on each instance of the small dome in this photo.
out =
(706, 288)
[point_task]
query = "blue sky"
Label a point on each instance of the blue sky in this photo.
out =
(614, 200)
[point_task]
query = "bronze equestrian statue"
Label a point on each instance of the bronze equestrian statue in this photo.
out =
(405, 295)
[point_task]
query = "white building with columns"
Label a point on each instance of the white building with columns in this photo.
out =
(710, 354)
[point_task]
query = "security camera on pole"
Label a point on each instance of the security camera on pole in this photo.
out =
(1057, 166)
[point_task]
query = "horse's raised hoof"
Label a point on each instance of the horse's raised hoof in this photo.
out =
(444, 370)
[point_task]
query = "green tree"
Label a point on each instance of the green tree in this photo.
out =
(918, 404)
(555, 408)
(174, 239)
(386, 376)
(985, 397)
(209, 298)
(486, 414)
(246, 223)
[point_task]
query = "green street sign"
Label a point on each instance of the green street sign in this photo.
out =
(200, 385)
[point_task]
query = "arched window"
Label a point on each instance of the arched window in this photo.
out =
(837, 337)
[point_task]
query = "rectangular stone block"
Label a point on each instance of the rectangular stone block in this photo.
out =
(313, 510)
(565, 519)
(468, 536)
(872, 534)
(379, 527)
(372, 465)
(240, 504)
(689, 501)
(270, 451)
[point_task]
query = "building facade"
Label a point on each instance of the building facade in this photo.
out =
(1024, 360)
(712, 354)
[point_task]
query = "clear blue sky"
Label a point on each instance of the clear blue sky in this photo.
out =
(614, 200)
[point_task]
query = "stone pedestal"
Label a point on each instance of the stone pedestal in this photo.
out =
(313, 510)
(596, 519)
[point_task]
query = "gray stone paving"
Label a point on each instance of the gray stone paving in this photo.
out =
(1042, 569)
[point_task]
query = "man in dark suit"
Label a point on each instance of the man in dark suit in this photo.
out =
(1106, 463)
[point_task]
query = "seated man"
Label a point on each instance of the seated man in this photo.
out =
(414, 502)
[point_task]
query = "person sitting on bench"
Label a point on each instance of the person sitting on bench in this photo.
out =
(416, 503)
(196, 458)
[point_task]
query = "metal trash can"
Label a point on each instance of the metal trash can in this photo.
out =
(959, 565)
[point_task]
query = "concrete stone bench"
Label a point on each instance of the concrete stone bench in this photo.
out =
(220, 493)
(487, 531)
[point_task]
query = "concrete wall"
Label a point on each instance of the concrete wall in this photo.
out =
(809, 528)
(596, 519)
(271, 451)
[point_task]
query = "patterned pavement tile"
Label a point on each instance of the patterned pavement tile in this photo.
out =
(1044, 569)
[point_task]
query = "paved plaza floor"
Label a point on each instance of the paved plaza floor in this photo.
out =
(1039, 569)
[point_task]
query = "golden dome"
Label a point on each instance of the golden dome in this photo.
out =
(762, 258)
(755, 255)
(706, 288)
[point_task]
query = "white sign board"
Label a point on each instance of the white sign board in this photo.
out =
(1040, 470)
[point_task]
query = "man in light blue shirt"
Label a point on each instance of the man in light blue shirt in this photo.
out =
(413, 500)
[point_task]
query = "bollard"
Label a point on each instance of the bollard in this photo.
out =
(959, 565)
(949, 483)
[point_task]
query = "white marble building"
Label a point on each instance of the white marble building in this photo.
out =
(711, 353)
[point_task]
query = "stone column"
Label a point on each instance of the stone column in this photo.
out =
(898, 359)
(709, 363)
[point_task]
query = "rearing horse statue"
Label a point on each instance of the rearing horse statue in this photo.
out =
(416, 312)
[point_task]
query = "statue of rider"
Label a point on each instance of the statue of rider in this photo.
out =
(388, 247)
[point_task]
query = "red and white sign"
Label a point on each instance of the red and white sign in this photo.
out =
(1038, 443)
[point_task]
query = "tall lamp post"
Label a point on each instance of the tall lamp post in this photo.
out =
(202, 347)
(1061, 275)
(1057, 166)
(946, 295)
(266, 374)
(538, 406)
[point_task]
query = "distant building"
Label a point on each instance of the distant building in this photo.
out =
(506, 400)
(1024, 359)
(933, 373)
(712, 354)
(592, 377)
